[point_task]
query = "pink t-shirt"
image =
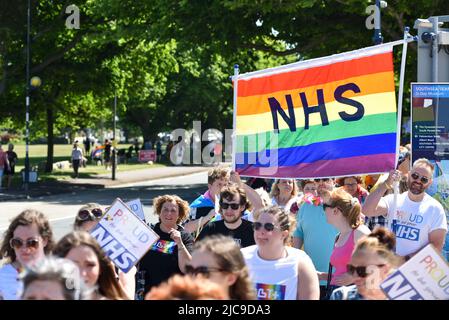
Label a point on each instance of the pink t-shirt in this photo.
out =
(341, 256)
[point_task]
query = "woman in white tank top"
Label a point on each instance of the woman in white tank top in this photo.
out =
(279, 272)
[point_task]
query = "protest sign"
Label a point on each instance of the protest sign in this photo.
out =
(136, 207)
(123, 236)
(423, 277)
(147, 155)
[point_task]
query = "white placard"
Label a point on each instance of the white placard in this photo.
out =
(423, 277)
(123, 236)
(137, 207)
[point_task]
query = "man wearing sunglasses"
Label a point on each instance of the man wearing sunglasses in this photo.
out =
(419, 218)
(315, 234)
(203, 206)
(233, 203)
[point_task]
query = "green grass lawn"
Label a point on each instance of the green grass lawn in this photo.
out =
(62, 152)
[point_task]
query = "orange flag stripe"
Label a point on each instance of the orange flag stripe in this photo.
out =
(317, 75)
(368, 84)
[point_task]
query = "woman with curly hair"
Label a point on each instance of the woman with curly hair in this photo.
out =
(284, 193)
(26, 242)
(218, 259)
(170, 254)
(95, 267)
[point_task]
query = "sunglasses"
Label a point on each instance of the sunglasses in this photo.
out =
(203, 270)
(323, 180)
(416, 176)
(225, 205)
(325, 206)
(16, 243)
(267, 226)
(361, 270)
(85, 214)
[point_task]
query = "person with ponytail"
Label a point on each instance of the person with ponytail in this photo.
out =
(373, 260)
(344, 213)
(218, 259)
(279, 271)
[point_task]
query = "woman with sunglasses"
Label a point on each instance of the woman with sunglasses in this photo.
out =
(88, 216)
(372, 262)
(278, 271)
(96, 268)
(171, 252)
(344, 213)
(26, 241)
(86, 219)
(218, 258)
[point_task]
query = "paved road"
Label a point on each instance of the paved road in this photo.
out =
(61, 209)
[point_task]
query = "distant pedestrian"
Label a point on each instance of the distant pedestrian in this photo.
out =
(77, 157)
(107, 153)
(4, 164)
(12, 159)
(87, 144)
(158, 151)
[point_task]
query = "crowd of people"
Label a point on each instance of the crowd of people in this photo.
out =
(307, 240)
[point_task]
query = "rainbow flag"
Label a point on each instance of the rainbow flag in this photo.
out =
(331, 116)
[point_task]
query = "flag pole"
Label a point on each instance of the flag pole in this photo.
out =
(234, 117)
(399, 121)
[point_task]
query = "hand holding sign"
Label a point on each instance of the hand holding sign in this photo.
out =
(123, 236)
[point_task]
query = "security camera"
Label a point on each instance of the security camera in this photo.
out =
(428, 37)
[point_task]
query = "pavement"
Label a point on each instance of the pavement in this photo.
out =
(47, 188)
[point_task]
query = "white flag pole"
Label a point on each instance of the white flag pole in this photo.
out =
(398, 130)
(234, 118)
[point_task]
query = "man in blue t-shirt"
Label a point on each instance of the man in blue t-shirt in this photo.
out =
(313, 231)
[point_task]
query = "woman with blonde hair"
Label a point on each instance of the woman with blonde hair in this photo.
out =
(171, 252)
(372, 262)
(344, 213)
(218, 258)
(96, 268)
(279, 271)
(284, 192)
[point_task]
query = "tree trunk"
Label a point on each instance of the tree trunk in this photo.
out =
(50, 140)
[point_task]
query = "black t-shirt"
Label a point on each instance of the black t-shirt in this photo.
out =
(200, 212)
(243, 235)
(161, 261)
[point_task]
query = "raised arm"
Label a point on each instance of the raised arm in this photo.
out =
(253, 197)
(373, 207)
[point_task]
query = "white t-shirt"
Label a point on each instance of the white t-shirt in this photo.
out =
(10, 285)
(277, 279)
(414, 221)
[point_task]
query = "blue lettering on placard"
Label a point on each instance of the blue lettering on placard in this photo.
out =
(397, 287)
(121, 257)
(406, 232)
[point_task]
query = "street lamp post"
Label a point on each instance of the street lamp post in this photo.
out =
(33, 82)
(27, 100)
(113, 138)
